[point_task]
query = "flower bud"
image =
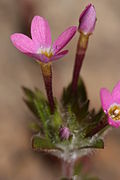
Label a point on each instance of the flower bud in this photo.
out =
(87, 20)
(64, 133)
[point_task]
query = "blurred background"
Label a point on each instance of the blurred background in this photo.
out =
(101, 68)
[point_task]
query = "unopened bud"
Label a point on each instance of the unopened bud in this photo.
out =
(87, 20)
(64, 133)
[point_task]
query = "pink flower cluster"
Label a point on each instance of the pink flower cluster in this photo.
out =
(41, 48)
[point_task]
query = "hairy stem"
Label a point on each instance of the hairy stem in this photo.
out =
(80, 54)
(68, 168)
(47, 75)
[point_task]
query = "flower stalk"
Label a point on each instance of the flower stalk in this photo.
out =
(80, 54)
(47, 76)
(86, 27)
(98, 128)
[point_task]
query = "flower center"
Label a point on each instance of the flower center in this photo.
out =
(46, 51)
(114, 112)
(47, 54)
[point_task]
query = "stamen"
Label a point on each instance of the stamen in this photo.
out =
(114, 112)
(46, 51)
(47, 54)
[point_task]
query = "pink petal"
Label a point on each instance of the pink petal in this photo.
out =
(23, 43)
(64, 38)
(113, 123)
(59, 55)
(106, 98)
(116, 93)
(40, 31)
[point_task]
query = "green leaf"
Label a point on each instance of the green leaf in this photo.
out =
(28, 92)
(42, 144)
(83, 112)
(71, 120)
(99, 143)
(56, 119)
(77, 99)
(81, 90)
(50, 123)
(31, 98)
(35, 127)
(31, 106)
(87, 144)
(39, 106)
(80, 95)
(30, 95)
(44, 115)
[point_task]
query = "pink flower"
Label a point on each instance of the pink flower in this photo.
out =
(40, 46)
(111, 104)
(87, 20)
(64, 133)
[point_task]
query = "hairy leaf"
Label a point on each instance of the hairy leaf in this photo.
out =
(42, 144)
